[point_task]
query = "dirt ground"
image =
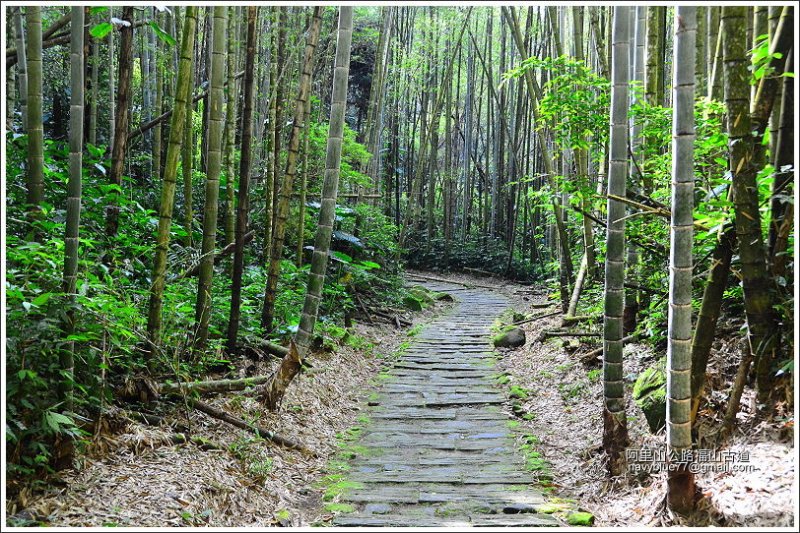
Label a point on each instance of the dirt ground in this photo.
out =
(136, 475)
(565, 406)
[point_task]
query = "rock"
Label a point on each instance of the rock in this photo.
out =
(377, 508)
(443, 297)
(422, 294)
(650, 394)
(413, 303)
(509, 337)
(579, 518)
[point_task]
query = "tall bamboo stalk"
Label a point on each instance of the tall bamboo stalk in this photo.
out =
(177, 123)
(615, 432)
(327, 214)
(71, 242)
(210, 211)
(680, 486)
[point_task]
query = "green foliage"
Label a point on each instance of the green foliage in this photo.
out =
(575, 97)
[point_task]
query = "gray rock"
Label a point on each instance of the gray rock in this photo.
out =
(512, 337)
(378, 508)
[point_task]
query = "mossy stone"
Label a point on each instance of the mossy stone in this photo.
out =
(579, 518)
(413, 303)
(650, 395)
(509, 337)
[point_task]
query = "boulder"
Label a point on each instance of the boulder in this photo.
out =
(413, 303)
(650, 395)
(509, 337)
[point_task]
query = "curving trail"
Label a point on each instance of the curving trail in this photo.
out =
(438, 451)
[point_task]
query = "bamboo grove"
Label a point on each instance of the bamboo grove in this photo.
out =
(187, 183)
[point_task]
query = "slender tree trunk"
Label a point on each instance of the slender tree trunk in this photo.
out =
(615, 431)
(112, 92)
(229, 138)
(34, 127)
(95, 91)
(243, 203)
(182, 101)
(71, 242)
(301, 219)
(122, 116)
(327, 214)
(272, 113)
(710, 307)
(680, 482)
(187, 167)
(216, 124)
(23, 66)
(783, 164)
(279, 233)
(761, 319)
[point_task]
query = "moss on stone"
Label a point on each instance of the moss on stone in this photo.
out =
(579, 518)
(650, 394)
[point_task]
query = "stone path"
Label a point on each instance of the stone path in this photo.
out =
(439, 452)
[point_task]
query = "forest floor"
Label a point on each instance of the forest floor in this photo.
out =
(134, 474)
(564, 410)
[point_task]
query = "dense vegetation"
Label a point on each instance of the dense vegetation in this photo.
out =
(176, 176)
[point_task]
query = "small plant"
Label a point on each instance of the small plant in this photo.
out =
(515, 391)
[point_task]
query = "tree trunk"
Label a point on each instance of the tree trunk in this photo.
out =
(680, 482)
(615, 432)
(182, 98)
(229, 139)
(279, 231)
(327, 212)
(34, 127)
(708, 315)
(213, 167)
(121, 117)
(243, 203)
(23, 66)
(71, 242)
(761, 319)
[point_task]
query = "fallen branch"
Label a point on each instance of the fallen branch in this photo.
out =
(220, 385)
(478, 271)
(548, 334)
(468, 285)
(577, 319)
(393, 318)
(542, 306)
(537, 317)
(219, 414)
(364, 308)
(273, 349)
(599, 351)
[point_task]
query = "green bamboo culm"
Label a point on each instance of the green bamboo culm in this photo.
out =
(71, 239)
(756, 284)
(680, 484)
(35, 174)
(245, 165)
(214, 165)
(327, 214)
(177, 123)
(279, 231)
(615, 431)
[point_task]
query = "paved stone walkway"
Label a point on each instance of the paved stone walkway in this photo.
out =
(440, 452)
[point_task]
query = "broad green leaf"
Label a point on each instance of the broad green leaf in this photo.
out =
(161, 34)
(101, 30)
